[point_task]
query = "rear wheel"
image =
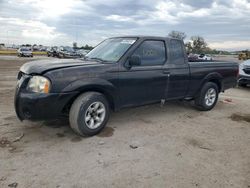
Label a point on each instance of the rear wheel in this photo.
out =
(89, 113)
(207, 97)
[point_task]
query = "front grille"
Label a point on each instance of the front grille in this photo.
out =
(247, 71)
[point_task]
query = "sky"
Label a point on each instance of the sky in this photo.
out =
(225, 24)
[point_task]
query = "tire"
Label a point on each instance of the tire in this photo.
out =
(80, 115)
(208, 97)
(242, 85)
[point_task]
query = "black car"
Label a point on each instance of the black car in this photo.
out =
(120, 72)
(53, 51)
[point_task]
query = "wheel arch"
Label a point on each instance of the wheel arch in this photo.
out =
(107, 89)
(217, 82)
(215, 78)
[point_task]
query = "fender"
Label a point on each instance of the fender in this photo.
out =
(98, 85)
(214, 76)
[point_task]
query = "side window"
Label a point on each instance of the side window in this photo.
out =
(176, 52)
(151, 53)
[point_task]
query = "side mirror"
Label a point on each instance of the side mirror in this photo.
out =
(135, 60)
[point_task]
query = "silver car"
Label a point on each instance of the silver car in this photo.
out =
(244, 73)
(24, 52)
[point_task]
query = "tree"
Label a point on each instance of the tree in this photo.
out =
(188, 46)
(87, 47)
(197, 44)
(75, 45)
(177, 35)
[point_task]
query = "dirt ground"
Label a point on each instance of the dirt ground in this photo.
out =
(173, 146)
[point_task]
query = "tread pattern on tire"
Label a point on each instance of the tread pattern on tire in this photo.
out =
(199, 100)
(74, 110)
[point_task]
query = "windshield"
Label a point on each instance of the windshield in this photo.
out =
(111, 49)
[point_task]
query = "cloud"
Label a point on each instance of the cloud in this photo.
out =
(31, 30)
(118, 18)
(61, 22)
(231, 45)
(54, 9)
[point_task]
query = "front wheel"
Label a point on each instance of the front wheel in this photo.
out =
(208, 96)
(89, 113)
(242, 84)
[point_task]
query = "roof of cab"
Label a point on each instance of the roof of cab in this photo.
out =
(145, 37)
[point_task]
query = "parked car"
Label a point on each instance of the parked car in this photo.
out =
(193, 57)
(120, 72)
(67, 52)
(205, 57)
(81, 52)
(24, 52)
(53, 51)
(244, 74)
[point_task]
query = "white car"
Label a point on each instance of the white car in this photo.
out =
(205, 57)
(24, 52)
(244, 73)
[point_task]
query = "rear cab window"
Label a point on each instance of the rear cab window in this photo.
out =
(176, 52)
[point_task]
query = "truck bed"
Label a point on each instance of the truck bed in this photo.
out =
(200, 72)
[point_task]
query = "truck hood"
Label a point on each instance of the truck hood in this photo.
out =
(42, 66)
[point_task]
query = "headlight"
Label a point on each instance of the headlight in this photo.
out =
(39, 84)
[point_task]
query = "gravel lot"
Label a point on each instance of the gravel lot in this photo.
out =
(152, 146)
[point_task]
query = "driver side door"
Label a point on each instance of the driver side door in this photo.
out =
(144, 83)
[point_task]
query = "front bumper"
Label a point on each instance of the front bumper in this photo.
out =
(39, 106)
(242, 79)
(26, 55)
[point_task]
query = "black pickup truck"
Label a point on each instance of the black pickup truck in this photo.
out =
(120, 72)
